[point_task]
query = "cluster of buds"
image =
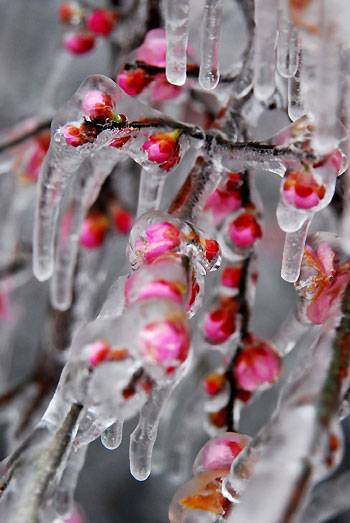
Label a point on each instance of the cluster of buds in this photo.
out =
(160, 148)
(97, 108)
(239, 220)
(86, 26)
(149, 69)
(254, 367)
(171, 237)
(204, 492)
(97, 223)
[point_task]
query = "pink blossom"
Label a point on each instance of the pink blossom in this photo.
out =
(245, 230)
(222, 204)
(97, 105)
(79, 43)
(220, 324)
(153, 50)
(219, 454)
(73, 135)
(38, 151)
(162, 90)
(214, 383)
(256, 364)
(231, 277)
(101, 21)
(122, 218)
(159, 239)
(133, 81)
(301, 190)
(162, 289)
(93, 230)
(322, 281)
(99, 352)
(166, 342)
(160, 147)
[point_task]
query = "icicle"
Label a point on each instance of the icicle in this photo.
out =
(243, 84)
(264, 47)
(209, 70)
(53, 178)
(151, 190)
(293, 252)
(64, 494)
(143, 438)
(86, 187)
(289, 334)
(327, 88)
(112, 436)
(176, 25)
(287, 46)
(295, 100)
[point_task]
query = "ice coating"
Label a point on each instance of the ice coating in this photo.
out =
(97, 100)
(154, 302)
(202, 494)
(219, 452)
(278, 437)
(209, 70)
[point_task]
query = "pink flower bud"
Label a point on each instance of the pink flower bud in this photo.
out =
(256, 364)
(97, 105)
(133, 81)
(153, 50)
(301, 190)
(159, 238)
(219, 454)
(220, 324)
(162, 90)
(165, 342)
(245, 230)
(226, 199)
(231, 277)
(160, 147)
(79, 43)
(121, 218)
(102, 21)
(162, 289)
(94, 229)
(74, 136)
(214, 383)
(98, 352)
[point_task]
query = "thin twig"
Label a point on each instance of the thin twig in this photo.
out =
(46, 465)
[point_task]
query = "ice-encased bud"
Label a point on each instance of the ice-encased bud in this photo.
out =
(203, 494)
(324, 273)
(219, 452)
(164, 278)
(240, 234)
(157, 233)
